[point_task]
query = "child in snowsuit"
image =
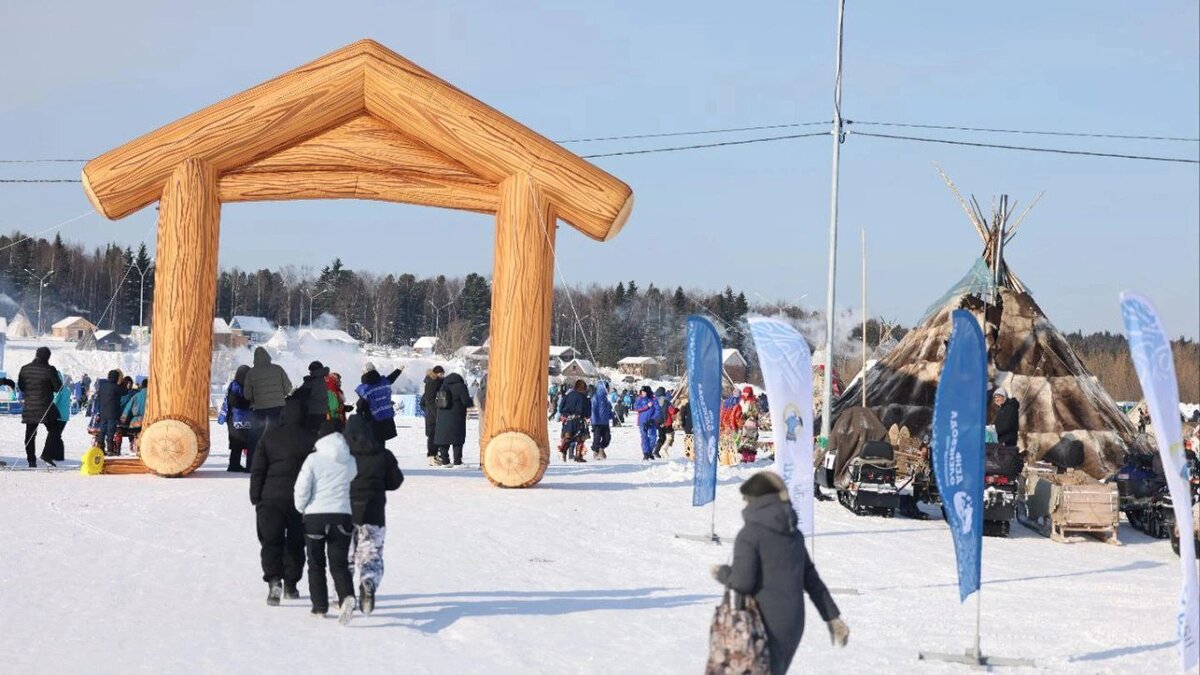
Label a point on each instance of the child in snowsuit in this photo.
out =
(602, 418)
(647, 411)
(771, 564)
(377, 474)
(322, 496)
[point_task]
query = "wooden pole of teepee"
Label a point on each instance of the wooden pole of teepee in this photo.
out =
(863, 382)
(827, 389)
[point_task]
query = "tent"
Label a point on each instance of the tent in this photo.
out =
(1061, 402)
(21, 328)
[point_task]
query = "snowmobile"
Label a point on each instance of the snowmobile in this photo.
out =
(1145, 499)
(872, 485)
(1001, 469)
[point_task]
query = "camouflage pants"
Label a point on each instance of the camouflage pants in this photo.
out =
(366, 553)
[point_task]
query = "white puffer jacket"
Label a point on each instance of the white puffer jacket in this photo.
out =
(323, 485)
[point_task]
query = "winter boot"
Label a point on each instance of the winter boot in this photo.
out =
(366, 597)
(346, 612)
(601, 454)
(290, 591)
(433, 461)
(318, 613)
(457, 455)
(579, 455)
(274, 592)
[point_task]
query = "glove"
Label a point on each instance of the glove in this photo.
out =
(720, 572)
(839, 632)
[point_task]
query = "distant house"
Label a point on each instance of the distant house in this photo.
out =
(472, 353)
(735, 365)
(72, 328)
(112, 341)
(226, 336)
(581, 369)
(326, 336)
(256, 329)
(563, 354)
(640, 366)
(425, 345)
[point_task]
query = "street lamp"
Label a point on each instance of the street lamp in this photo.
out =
(141, 292)
(311, 298)
(437, 316)
(42, 284)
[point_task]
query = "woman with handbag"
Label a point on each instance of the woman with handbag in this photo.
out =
(771, 566)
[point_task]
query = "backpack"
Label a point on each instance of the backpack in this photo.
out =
(442, 399)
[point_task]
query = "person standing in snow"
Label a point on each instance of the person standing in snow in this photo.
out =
(666, 426)
(1008, 413)
(109, 393)
(37, 382)
(316, 395)
(378, 473)
(133, 414)
(237, 417)
(375, 392)
(573, 411)
(452, 402)
(280, 454)
(130, 388)
(85, 388)
(602, 419)
(684, 413)
(322, 496)
(267, 385)
(771, 564)
(337, 400)
(433, 382)
(647, 411)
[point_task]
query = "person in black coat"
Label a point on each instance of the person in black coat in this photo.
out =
(281, 452)
(771, 564)
(433, 382)
(110, 397)
(378, 473)
(37, 382)
(1007, 418)
(451, 427)
(315, 396)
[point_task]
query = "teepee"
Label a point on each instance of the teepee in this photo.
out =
(1061, 402)
(20, 327)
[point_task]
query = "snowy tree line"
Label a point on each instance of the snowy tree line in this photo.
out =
(604, 323)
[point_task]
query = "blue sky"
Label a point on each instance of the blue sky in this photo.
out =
(82, 77)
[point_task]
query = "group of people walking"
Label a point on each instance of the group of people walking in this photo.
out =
(445, 400)
(591, 411)
(319, 477)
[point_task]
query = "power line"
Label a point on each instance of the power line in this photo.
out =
(1079, 134)
(705, 145)
(1060, 151)
(695, 133)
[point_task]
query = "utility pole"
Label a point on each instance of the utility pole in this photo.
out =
(42, 284)
(311, 298)
(838, 135)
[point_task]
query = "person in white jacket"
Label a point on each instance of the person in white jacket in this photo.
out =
(323, 496)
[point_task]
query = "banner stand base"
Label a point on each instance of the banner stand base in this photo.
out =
(710, 538)
(973, 658)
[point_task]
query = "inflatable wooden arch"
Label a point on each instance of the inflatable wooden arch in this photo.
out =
(359, 123)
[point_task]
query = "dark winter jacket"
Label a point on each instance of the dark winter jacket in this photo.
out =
(280, 453)
(685, 417)
(1006, 422)
(378, 472)
(452, 422)
(37, 382)
(266, 384)
(771, 563)
(574, 403)
(315, 394)
(372, 382)
(602, 411)
(429, 402)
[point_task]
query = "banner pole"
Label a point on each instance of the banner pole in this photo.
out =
(978, 621)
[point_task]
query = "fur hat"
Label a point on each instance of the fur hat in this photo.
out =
(1001, 393)
(764, 483)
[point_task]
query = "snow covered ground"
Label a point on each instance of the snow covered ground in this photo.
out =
(119, 574)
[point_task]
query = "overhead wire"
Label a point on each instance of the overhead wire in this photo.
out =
(728, 130)
(1079, 134)
(1060, 151)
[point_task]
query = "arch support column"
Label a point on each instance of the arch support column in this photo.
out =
(175, 438)
(515, 448)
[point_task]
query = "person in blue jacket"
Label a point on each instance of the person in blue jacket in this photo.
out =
(646, 408)
(602, 419)
(133, 413)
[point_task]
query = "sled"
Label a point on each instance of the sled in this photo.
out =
(1068, 506)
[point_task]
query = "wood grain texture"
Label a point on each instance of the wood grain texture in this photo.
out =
(363, 158)
(362, 78)
(522, 297)
(184, 301)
